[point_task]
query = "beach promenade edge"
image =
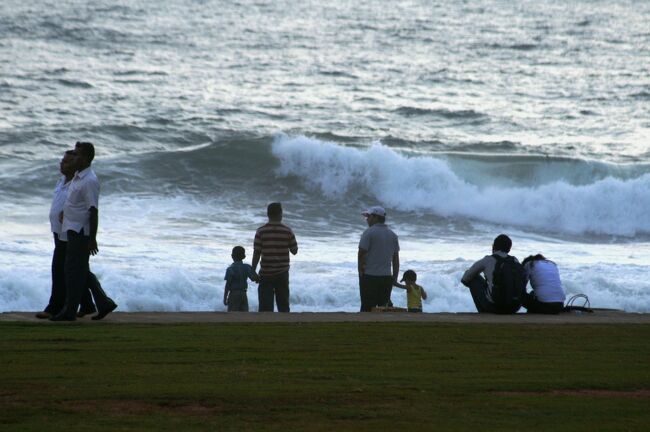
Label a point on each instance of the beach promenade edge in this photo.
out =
(597, 317)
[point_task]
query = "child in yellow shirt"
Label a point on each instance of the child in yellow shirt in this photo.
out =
(414, 292)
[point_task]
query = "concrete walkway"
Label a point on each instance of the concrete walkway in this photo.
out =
(598, 317)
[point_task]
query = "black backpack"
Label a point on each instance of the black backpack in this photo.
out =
(508, 284)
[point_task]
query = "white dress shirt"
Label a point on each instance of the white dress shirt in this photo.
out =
(58, 200)
(83, 193)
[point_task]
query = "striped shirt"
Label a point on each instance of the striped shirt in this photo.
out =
(274, 241)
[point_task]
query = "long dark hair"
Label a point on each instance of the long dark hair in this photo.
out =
(538, 257)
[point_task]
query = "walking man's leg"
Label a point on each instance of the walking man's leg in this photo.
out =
(105, 304)
(57, 298)
(86, 305)
(76, 274)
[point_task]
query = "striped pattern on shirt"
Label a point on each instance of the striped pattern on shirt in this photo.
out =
(274, 240)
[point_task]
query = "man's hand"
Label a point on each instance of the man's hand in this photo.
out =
(61, 217)
(225, 299)
(92, 247)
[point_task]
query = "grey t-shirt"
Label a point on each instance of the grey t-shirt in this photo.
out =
(380, 244)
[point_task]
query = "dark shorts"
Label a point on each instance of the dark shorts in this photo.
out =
(237, 301)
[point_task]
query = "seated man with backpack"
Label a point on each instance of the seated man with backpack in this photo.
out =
(502, 289)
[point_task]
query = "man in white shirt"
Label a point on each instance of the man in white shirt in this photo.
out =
(57, 296)
(80, 221)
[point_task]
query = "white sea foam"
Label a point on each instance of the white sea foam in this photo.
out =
(608, 206)
(316, 288)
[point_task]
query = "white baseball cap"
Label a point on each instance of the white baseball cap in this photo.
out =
(375, 210)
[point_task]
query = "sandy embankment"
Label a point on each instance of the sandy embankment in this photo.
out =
(598, 317)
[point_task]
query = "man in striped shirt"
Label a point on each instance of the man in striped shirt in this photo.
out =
(273, 242)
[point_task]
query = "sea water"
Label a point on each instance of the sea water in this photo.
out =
(464, 120)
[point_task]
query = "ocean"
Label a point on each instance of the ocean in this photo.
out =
(463, 119)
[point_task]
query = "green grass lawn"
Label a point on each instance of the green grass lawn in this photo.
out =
(324, 377)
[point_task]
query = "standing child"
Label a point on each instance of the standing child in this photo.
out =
(237, 275)
(414, 292)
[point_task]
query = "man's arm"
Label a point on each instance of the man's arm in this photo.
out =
(256, 259)
(253, 276)
(94, 222)
(395, 268)
(226, 290)
(293, 244)
(424, 293)
(361, 261)
(473, 272)
(90, 193)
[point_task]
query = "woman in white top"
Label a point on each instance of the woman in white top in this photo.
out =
(547, 296)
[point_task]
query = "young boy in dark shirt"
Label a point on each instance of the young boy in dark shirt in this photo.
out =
(237, 275)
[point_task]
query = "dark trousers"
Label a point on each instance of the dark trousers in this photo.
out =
(78, 276)
(533, 305)
(479, 288)
(274, 286)
(58, 294)
(375, 291)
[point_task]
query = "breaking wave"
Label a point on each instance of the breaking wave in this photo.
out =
(608, 205)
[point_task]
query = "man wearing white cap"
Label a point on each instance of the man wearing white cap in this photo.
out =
(378, 252)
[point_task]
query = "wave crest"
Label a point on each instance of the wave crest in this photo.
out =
(608, 206)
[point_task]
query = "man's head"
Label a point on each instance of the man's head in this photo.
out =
(502, 243)
(409, 276)
(85, 154)
(375, 215)
(67, 164)
(274, 212)
(238, 253)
